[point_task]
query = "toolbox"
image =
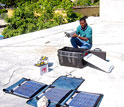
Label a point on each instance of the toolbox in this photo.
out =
(72, 57)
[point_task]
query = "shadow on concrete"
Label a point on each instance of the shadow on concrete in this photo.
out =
(50, 69)
(50, 64)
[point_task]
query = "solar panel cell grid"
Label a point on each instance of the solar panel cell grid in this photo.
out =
(28, 89)
(55, 95)
(84, 100)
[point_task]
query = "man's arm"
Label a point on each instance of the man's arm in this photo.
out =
(89, 33)
(82, 38)
(87, 37)
(77, 34)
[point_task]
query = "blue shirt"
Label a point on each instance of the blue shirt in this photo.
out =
(85, 33)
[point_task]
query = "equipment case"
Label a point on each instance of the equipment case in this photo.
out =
(98, 52)
(72, 57)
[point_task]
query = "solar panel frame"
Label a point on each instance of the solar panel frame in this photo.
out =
(67, 82)
(15, 85)
(70, 102)
(56, 84)
(28, 89)
(58, 93)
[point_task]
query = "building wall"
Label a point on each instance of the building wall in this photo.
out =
(112, 10)
(87, 11)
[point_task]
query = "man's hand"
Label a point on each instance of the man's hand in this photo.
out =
(75, 35)
(82, 38)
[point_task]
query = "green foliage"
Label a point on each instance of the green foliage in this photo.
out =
(15, 3)
(59, 19)
(66, 4)
(8, 3)
(3, 14)
(97, 2)
(86, 2)
(22, 22)
(72, 16)
(3, 10)
(83, 3)
(33, 16)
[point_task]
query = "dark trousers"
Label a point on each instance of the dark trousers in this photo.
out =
(81, 43)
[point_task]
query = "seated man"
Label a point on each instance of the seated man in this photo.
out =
(83, 35)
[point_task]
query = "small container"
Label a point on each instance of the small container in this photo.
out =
(44, 69)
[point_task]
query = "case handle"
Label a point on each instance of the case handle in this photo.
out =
(97, 49)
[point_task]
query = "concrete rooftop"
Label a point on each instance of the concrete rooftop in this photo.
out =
(19, 54)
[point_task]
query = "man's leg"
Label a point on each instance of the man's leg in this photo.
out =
(78, 42)
(74, 42)
(85, 45)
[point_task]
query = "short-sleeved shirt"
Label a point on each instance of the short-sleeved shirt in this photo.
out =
(85, 33)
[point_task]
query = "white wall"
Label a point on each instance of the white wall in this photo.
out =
(112, 10)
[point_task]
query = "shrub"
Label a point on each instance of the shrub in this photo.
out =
(25, 19)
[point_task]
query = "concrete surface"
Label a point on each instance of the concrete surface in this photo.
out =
(19, 54)
(112, 10)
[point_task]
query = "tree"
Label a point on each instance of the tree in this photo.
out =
(22, 22)
(86, 2)
(92, 1)
(83, 2)
(15, 3)
(33, 16)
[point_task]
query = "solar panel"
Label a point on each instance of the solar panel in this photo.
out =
(28, 89)
(56, 94)
(84, 100)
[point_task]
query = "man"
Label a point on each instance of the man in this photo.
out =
(83, 36)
